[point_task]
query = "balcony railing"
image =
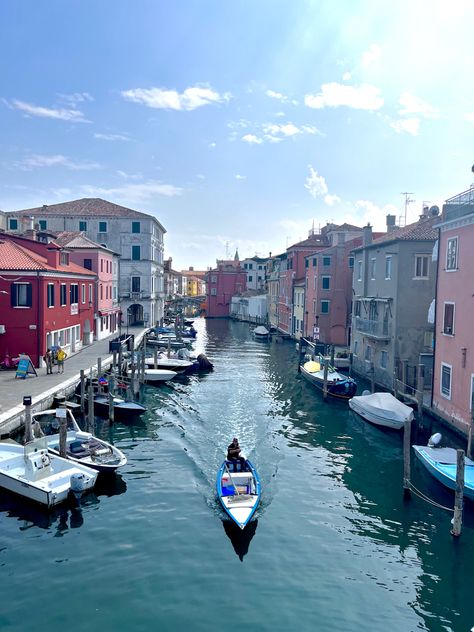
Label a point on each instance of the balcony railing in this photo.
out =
(374, 328)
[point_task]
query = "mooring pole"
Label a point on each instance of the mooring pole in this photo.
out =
(351, 359)
(28, 427)
(61, 414)
(90, 405)
(333, 351)
(406, 458)
(99, 368)
(325, 379)
(459, 494)
(469, 436)
(420, 392)
(83, 390)
(372, 378)
(404, 375)
(155, 357)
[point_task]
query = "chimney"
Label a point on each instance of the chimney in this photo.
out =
(52, 256)
(390, 222)
(367, 235)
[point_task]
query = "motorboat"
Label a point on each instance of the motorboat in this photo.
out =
(381, 409)
(81, 447)
(441, 463)
(238, 489)
(123, 409)
(261, 333)
(338, 385)
(172, 364)
(34, 472)
(153, 376)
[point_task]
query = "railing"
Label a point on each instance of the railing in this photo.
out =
(375, 328)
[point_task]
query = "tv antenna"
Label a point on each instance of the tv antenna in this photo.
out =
(408, 201)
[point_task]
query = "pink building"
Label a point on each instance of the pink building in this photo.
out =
(104, 262)
(453, 383)
(223, 282)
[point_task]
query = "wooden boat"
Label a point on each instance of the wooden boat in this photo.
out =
(35, 473)
(441, 463)
(238, 489)
(123, 409)
(81, 447)
(381, 409)
(338, 385)
(261, 333)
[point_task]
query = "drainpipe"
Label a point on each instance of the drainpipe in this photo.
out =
(39, 317)
(435, 317)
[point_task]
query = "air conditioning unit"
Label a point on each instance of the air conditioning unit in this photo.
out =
(2, 329)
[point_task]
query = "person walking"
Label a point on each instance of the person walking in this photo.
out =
(48, 359)
(61, 355)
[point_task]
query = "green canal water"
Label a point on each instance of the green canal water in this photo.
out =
(334, 546)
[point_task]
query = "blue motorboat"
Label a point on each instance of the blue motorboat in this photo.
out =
(441, 463)
(238, 488)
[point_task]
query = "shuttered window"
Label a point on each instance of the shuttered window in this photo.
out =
(21, 295)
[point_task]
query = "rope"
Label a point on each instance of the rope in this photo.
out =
(426, 498)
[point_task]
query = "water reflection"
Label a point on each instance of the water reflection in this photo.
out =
(240, 538)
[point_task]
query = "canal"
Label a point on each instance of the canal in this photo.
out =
(335, 547)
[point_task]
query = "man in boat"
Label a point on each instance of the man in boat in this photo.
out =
(233, 452)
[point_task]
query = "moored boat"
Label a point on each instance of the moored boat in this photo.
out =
(33, 472)
(381, 409)
(441, 463)
(171, 364)
(153, 376)
(238, 489)
(338, 385)
(261, 333)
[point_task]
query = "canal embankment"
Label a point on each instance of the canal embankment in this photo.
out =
(44, 388)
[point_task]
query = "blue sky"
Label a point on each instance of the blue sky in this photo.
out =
(238, 124)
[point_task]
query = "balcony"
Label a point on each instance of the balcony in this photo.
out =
(381, 330)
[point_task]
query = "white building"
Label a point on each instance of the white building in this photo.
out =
(256, 269)
(137, 237)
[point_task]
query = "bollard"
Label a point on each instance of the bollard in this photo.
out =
(406, 458)
(325, 379)
(83, 390)
(459, 494)
(28, 427)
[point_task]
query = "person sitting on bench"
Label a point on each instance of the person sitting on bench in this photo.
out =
(233, 453)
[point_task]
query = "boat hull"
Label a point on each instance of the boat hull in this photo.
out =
(338, 386)
(240, 507)
(445, 472)
(366, 406)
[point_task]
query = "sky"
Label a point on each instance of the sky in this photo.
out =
(239, 125)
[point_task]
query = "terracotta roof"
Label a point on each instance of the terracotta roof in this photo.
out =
(422, 230)
(318, 241)
(85, 207)
(14, 256)
(77, 239)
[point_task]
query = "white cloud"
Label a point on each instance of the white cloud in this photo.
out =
(76, 97)
(331, 199)
(61, 114)
(111, 137)
(190, 99)
(239, 177)
(371, 55)
(369, 212)
(315, 183)
(346, 76)
(129, 176)
(408, 125)
(58, 160)
(363, 97)
(276, 95)
(412, 104)
(252, 139)
(200, 176)
(134, 193)
(212, 145)
(286, 129)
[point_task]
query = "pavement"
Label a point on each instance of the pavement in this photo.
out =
(43, 387)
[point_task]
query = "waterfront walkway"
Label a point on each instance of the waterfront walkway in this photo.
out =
(43, 387)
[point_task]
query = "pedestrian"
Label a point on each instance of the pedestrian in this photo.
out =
(61, 355)
(48, 359)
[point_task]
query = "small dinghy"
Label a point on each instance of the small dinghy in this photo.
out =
(338, 385)
(261, 333)
(441, 463)
(31, 471)
(238, 488)
(381, 409)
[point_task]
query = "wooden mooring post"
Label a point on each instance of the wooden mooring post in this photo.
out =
(325, 379)
(90, 405)
(372, 377)
(28, 427)
(61, 414)
(406, 458)
(351, 360)
(155, 357)
(83, 390)
(111, 397)
(99, 368)
(404, 375)
(420, 392)
(469, 436)
(459, 494)
(333, 351)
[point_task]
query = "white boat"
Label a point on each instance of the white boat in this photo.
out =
(261, 333)
(158, 375)
(171, 364)
(238, 489)
(81, 447)
(35, 473)
(382, 409)
(441, 463)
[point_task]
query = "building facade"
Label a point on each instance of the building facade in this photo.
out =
(226, 280)
(136, 236)
(256, 269)
(275, 264)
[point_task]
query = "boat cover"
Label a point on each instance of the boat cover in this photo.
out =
(385, 405)
(446, 456)
(312, 366)
(261, 331)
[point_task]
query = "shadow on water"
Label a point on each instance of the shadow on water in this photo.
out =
(240, 538)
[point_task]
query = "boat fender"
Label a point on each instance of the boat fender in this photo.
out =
(434, 440)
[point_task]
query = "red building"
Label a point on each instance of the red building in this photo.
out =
(45, 300)
(224, 282)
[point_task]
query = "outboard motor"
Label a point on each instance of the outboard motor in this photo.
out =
(434, 440)
(204, 363)
(78, 483)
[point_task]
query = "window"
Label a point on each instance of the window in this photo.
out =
(306, 263)
(12, 224)
(368, 353)
(324, 307)
(50, 294)
(351, 262)
(43, 224)
(326, 261)
(74, 293)
(357, 308)
(326, 282)
(372, 268)
(359, 270)
(136, 253)
(315, 261)
(21, 295)
(448, 322)
(213, 291)
(250, 266)
(246, 265)
(250, 278)
(114, 290)
(452, 254)
(64, 258)
(90, 292)
(136, 283)
(102, 227)
(388, 267)
(101, 291)
(213, 279)
(356, 347)
(315, 282)
(82, 225)
(445, 386)
(383, 359)
(135, 227)
(62, 294)
(88, 264)
(83, 293)
(421, 266)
